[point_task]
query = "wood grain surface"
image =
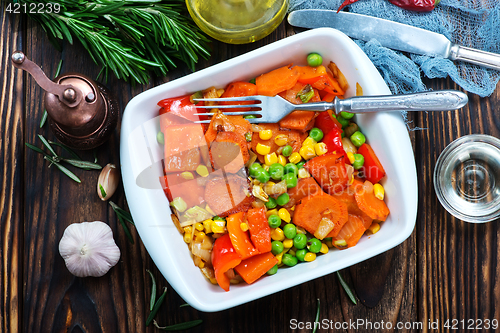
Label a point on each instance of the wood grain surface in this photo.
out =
(447, 269)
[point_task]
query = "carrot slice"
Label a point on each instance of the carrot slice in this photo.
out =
(239, 89)
(347, 197)
(306, 187)
(309, 213)
(229, 151)
(182, 144)
(298, 120)
(329, 171)
(276, 81)
(351, 232)
(259, 229)
(228, 195)
(295, 139)
(310, 74)
(370, 204)
(239, 238)
(253, 268)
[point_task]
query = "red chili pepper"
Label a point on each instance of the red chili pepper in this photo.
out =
(224, 257)
(415, 5)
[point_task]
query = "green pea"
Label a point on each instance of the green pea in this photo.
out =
(250, 116)
(276, 171)
(291, 180)
(271, 203)
(160, 138)
(277, 247)
(290, 231)
(262, 176)
(289, 260)
(300, 165)
(359, 160)
(283, 199)
(273, 270)
(314, 59)
(287, 151)
(346, 115)
(344, 122)
(358, 138)
(252, 170)
(316, 134)
(314, 245)
(300, 241)
(301, 254)
(291, 168)
(274, 221)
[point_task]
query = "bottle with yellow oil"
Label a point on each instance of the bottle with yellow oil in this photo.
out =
(237, 21)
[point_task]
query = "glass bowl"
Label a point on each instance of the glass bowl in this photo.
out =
(237, 21)
(467, 178)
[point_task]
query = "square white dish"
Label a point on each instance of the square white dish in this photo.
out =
(141, 166)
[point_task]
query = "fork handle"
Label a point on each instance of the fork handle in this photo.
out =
(441, 100)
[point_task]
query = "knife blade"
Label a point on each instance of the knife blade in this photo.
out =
(393, 35)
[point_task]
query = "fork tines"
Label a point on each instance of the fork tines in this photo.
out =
(257, 106)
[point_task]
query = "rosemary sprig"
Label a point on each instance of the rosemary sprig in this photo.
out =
(153, 291)
(346, 288)
(179, 327)
(129, 37)
(44, 116)
(158, 303)
(316, 320)
(123, 215)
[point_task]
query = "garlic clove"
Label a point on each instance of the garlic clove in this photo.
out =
(108, 180)
(88, 249)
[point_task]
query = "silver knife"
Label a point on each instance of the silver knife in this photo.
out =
(393, 35)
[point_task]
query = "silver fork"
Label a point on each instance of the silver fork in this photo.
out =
(273, 109)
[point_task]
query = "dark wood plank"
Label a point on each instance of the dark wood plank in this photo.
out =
(11, 176)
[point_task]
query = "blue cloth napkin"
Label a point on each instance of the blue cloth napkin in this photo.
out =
(469, 23)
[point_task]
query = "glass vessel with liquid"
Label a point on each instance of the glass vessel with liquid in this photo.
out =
(237, 21)
(467, 178)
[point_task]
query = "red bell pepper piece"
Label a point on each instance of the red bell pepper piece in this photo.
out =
(333, 141)
(182, 107)
(372, 168)
(325, 122)
(239, 238)
(253, 268)
(259, 229)
(224, 257)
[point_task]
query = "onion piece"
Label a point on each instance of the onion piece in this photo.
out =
(198, 251)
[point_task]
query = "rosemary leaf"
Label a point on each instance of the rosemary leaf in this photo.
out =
(66, 148)
(184, 305)
(45, 114)
(126, 230)
(181, 326)
(47, 144)
(35, 148)
(63, 169)
(156, 307)
(82, 164)
(153, 291)
(316, 320)
(346, 288)
(122, 213)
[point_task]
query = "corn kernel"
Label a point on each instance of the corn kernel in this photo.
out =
(292, 252)
(265, 134)
(201, 264)
(282, 160)
(279, 257)
(293, 208)
(271, 212)
(284, 214)
(188, 238)
(310, 256)
(202, 170)
(270, 159)
(265, 167)
(307, 152)
(288, 243)
(324, 248)
(301, 230)
(188, 229)
(303, 173)
(295, 158)
(234, 281)
(320, 148)
(373, 229)
(309, 142)
(199, 235)
(379, 191)
(263, 149)
(198, 226)
(213, 281)
(218, 227)
(187, 175)
(277, 234)
(243, 226)
(350, 156)
(207, 225)
(281, 140)
(340, 243)
(351, 180)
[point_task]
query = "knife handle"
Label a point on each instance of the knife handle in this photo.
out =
(474, 56)
(438, 100)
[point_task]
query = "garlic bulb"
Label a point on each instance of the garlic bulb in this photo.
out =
(88, 249)
(108, 180)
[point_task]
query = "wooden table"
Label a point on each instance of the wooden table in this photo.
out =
(447, 269)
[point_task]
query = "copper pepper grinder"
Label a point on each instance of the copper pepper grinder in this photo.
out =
(82, 113)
